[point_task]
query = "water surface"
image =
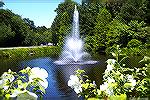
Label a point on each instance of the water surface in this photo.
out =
(58, 75)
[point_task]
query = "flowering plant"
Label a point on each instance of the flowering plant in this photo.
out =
(27, 84)
(84, 88)
(119, 81)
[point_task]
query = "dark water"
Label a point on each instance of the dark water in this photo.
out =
(58, 75)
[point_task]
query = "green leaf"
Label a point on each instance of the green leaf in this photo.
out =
(85, 86)
(118, 97)
(7, 96)
(92, 99)
(146, 59)
(127, 85)
(42, 89)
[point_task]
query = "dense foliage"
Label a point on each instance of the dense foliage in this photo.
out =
(23, 53)
(26, 84)
(120, 82)
(16, 31)
(103, 24)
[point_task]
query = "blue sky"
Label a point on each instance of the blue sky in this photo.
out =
(40, 11)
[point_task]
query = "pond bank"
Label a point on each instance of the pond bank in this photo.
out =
(13, 52)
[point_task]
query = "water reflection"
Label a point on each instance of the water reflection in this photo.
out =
(59, 76)
(57, 88)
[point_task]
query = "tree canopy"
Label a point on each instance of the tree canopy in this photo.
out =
(103, 23)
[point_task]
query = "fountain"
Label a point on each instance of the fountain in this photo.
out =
(73, 52)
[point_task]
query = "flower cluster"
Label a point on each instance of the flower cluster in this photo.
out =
(75, 84)
(110, 66)
(85, 88)
(119, 81)
(24, 85)
(115, 80)
(5, 79)
(37, 72)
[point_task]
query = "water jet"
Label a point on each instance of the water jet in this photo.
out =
(73, 50)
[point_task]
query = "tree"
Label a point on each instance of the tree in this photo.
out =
(41, 29)
(17, 25)
(98, 39)
(91, 1)
(88, 14)
(62, 21)
(30, 23)
(1, 4)
(65, 28)
(138, 30)
(48, 36)
(147, 11)
(118, 33)
(133, 10)
(6, 35)
(114, 6)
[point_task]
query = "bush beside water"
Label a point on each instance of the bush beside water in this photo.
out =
(120, 82)
(51, 51)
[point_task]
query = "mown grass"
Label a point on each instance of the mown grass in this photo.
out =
(50, 51)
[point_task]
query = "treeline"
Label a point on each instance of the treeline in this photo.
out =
(106, 23)
(18, 31)
(103, 24)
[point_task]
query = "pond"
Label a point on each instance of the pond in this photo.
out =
(58, 74)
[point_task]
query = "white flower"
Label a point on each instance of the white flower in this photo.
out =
(37, 72)
(44, 83)
(109, 91)
(110, 80)
(17, 92)
(94, 83)
(75, 84)
(7, 77)
(9, 70)
(133, 82)
(27, 96)
(28, 68)
(78, 89)
(1, 83)
(121, 76)
(130, 78)
(73, 80)
(111, 61)
(5, 87)
(109, 67)
(104, 86)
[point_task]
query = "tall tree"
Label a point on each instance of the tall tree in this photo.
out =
(17, 25)
(133, 10)
(62, 21)
(97, 40)
(88, 14)
(30, 23)
(114, 6)
(147, 11)
(6, 35)
(1, 4)
(92, 1)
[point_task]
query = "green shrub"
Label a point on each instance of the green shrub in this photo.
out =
(134, 43)
(51, 51)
